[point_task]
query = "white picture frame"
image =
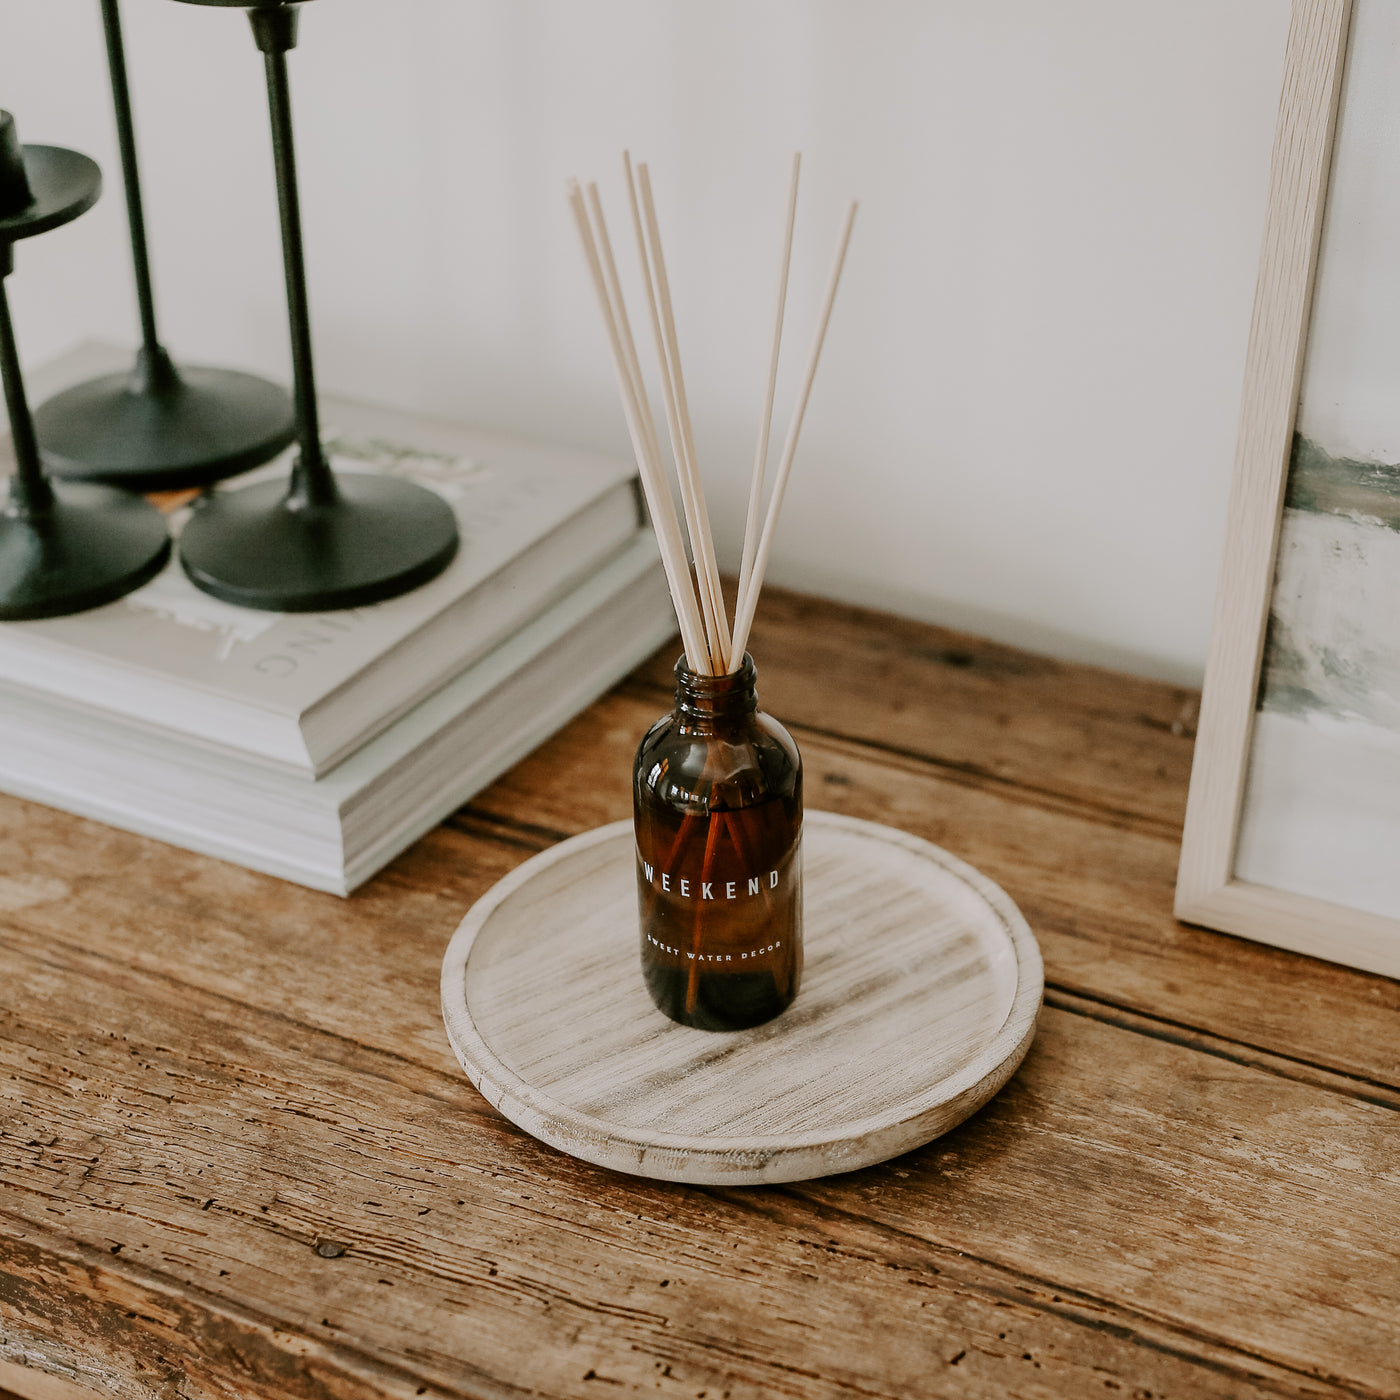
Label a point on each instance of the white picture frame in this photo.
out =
(1208, 890)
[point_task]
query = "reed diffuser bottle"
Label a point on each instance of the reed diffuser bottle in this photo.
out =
(717, 786)
(717, 798)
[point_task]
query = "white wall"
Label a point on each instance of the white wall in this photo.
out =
(1024, 421)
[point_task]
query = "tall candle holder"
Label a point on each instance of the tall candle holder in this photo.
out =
(157, 427)
(324, 541)
(69, 547)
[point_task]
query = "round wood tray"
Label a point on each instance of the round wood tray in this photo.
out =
(919, 998)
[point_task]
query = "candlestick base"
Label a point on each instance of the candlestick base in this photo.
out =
(159, 429)
(261, 547)
(93, 545)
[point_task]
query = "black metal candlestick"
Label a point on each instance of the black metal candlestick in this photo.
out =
(158, 428)
(65, 548)
(325, 541)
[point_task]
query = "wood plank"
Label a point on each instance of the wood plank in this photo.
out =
(249, 937)
(1111, 741)
(1208, 1190)
(199, 1187)
(1097, 889)
(1191, 1092)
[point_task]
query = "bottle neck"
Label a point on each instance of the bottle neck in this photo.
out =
(709, 702)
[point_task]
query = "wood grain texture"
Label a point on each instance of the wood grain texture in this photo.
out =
(237, 1156)
(918, 1001)
(463, 1239)
(1207, 893)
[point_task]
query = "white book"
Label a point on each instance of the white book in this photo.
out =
(334, 833)
(300, 691)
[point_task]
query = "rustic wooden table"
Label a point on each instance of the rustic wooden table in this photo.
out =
(240, 1160)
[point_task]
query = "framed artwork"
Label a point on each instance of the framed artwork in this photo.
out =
(1293, 822)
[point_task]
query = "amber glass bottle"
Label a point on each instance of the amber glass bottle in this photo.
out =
(717, 798)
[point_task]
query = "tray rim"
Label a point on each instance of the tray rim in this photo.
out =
(750, 1158)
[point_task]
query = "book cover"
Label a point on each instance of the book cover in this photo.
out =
(533, 518)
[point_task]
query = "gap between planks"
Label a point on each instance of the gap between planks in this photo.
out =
(1074, 1305)
(10, 924)
(364, 1366)
(1291, 1067)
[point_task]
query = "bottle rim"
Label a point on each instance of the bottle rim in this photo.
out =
(715, 686)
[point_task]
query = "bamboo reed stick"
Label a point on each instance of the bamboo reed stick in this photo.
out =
(645, 444)
(629, 346)
(613, 284)
(678, 416)
(748, 600)
(711, 649)
(760, 461)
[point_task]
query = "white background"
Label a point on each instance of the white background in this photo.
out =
(1025, 417)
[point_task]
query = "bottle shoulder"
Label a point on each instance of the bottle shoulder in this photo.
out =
(733, 765)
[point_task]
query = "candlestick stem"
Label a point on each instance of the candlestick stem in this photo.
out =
(320, 543)
(131, 182)
(30, 492)
(275, 31)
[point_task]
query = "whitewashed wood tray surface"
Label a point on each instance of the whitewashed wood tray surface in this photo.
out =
(919, 998)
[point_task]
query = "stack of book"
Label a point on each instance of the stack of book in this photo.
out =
(316, 746)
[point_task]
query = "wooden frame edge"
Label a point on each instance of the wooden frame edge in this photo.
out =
(1206, 892)
(1353, 937)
